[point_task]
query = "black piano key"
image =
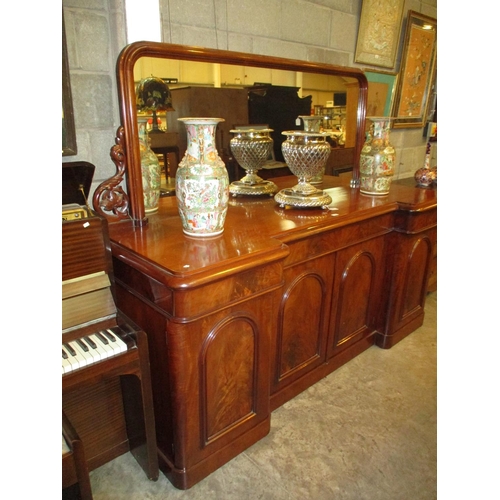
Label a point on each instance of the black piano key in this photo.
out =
(109, 336)
(102, 338)
(90, 342)
(83, 345)
(64, 354)
(70, 349)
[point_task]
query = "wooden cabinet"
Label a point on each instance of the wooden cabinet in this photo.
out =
(231, 104)
(412, 247)
(278, 107)
(340, 160)
(240, 323)
(209, 349)
(330, 304)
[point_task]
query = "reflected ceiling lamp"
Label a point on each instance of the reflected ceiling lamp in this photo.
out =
(153, 96)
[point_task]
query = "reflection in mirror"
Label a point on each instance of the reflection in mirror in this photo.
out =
(68, 122)
(224, 84)
(245, 95)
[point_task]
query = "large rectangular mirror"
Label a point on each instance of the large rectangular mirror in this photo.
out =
(224, 70)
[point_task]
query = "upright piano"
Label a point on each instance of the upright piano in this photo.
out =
(106, 385)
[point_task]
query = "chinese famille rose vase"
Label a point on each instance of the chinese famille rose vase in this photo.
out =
(202, 181)
(377, 159)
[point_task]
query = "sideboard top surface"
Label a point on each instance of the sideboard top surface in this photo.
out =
(255, 228)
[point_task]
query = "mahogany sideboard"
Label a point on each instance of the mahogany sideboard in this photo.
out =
(241, 323)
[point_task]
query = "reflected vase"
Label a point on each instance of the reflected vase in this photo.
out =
(377, 159)
(312, 123)
(202, 181)
(150, 170)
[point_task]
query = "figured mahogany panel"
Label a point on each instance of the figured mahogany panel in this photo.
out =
(358, 286)
(412, 257)
(195, 301)
(299, 345)
(417, 268)
(228, 367)
(432, 282)
(301, 318)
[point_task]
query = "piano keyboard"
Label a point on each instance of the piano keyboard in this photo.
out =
(91, 349)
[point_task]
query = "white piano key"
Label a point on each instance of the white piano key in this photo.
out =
(88, 359)
(70, 363)
(101, 345)
(82, 361)
(66, 364)
(94, 351)
(104, 350)
(121, 346)
(73, 357)
(113, 343)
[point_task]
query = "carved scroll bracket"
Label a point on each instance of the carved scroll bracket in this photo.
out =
(110, 200)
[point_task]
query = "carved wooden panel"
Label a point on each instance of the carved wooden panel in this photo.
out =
(228, 367)
(415, 284)
(303, 320)
(415, 255)
(358, 286)
(412, 256)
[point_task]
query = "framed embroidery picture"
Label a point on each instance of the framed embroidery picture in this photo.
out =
(381, 88)
(417, 73)
(378, 33)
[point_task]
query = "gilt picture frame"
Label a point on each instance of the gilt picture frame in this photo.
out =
(381, 90)
(378, 33)
(417, 73)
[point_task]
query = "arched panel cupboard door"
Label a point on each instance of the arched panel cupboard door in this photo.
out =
(357, 295)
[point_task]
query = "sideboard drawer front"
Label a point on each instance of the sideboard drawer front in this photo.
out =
(332, 240)
(415, 222)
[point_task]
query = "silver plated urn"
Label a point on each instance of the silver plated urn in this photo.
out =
(306, 154)
(251, 149)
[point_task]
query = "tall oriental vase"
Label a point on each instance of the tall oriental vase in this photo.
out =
(377, 159)
(150, 170)
(202, 181)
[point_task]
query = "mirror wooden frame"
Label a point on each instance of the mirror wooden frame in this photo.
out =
(68, 121)
(109, 198)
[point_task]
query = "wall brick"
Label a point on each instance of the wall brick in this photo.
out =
(92, 100)
(255, 17)
(305, 22)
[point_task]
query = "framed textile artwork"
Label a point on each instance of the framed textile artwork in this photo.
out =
(417, 74)
(378, 33)
(381, 87)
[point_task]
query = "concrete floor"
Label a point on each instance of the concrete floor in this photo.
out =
(368, 431)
